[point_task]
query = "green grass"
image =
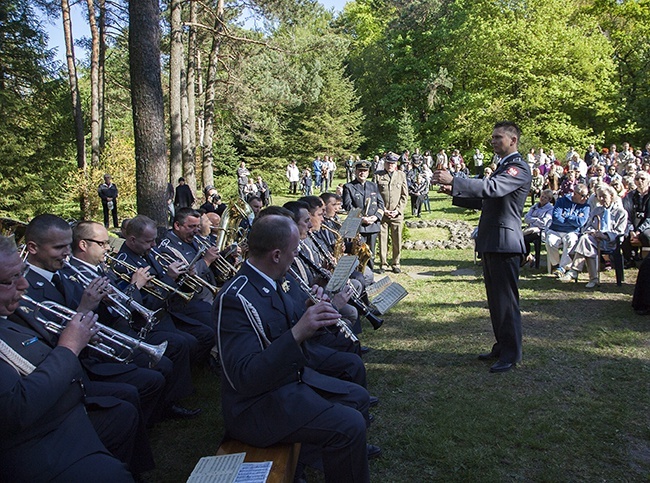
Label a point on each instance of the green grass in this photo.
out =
(576, 409)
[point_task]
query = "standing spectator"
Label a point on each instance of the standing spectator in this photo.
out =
(442, 162)
(306, 182)
(542, 158)
(637, 203)
(394, 191)
(330, 172)
(418, 191)
(530, 159)
(500, 240)
(108, 193)
(263, 191)
(478, 162)
(169, 198)
(184, 197)
(324, 174)
(250, 190)
(317, 166)
(242, 179)
(536, 185)
(364, 194)
(455, 160)
(349, 168)
(428, 159)
(293, 175)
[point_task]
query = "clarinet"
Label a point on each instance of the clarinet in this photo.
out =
(355, 300)
(343, 327)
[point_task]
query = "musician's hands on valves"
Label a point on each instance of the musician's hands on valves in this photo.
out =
(141, 277)
(320, 314)
(79, 330)
(94, 294)
(176, 269)
(210, 255)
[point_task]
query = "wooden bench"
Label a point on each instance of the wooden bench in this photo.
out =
(283, 455)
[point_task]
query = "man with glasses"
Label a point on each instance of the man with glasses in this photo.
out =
(637, 204)
(569, 215)
(47, 432)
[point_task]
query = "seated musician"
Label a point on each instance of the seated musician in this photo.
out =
(47, 240)
(190, 317)
(224, 266)
(89, 247)
(270, 392)
(47, 434)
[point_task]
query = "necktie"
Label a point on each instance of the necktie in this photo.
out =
(58, 283)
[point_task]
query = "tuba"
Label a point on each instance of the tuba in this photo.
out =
(229, 229)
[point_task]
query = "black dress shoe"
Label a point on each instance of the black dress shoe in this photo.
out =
(487, 356)
(363, 350)
(373, 451)
(397, 270)
(374, 400)
(371, 418)
(179, 412)
(501, 366)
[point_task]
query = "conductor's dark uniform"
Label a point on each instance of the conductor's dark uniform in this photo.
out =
(501, 243)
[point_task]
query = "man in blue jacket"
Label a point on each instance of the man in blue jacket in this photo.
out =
(500, 239)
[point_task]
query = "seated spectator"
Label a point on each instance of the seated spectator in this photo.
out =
(538, 219)
(637, 204)
(250, 190)
(607, 221)
(555, 175)
(568, 185)
(569, 215)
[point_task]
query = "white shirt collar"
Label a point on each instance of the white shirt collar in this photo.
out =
(263, 275)
(46, 274)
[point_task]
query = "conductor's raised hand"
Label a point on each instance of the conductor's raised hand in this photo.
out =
(321, 314)
(442, 177)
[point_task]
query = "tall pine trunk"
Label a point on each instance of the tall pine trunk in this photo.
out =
(175, 68)
(77, 113)
(95, 149)
(152, 169)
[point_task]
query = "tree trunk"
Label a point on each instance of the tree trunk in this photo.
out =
(95, 150)
(210, 94)
(102, 74)
(191, 87)
(152, 170)
(77, 114)
(175, 68)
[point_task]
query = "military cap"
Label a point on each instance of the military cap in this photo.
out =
(392, 158)
(362, 164)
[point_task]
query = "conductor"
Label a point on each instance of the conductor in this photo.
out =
(500, 239)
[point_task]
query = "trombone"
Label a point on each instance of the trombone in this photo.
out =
(156, 283)
(110, 342)
(221, 263)
(122, 303)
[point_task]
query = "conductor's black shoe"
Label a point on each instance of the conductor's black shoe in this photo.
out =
(364, 349)
(179, 412)
(487, 356)
(373, 451)
(501, 366)
(374, 400)
(371, 417)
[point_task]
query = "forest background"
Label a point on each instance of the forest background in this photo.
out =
(189, 88)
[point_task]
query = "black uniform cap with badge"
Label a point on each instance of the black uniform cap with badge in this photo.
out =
(391, 158)
(364, 164)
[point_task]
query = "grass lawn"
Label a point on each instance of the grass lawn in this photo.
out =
(576, 409)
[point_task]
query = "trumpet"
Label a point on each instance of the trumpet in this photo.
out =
(112, 343)
(155, 283)
(123, 303)
(343, 327)
(194, 282)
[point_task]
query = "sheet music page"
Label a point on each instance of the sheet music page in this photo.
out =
(377, 287)
(254, 472)
(350, 226)
(344, 268)
(217, 469)
(389, 297)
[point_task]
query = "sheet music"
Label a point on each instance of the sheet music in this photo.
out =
(377, 287)
(217, 469)
(389, 297)
(351, 224)
(254, 472)
(344, 268)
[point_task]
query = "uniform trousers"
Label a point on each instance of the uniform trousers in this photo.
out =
(335, 440)
(501, 274)
(394, 228)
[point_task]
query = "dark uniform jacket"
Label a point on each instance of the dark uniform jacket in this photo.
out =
(503, 194)
(355, 195)
(268, 383)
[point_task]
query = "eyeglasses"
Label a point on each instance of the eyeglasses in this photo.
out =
(103, 244)
(14, 280)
